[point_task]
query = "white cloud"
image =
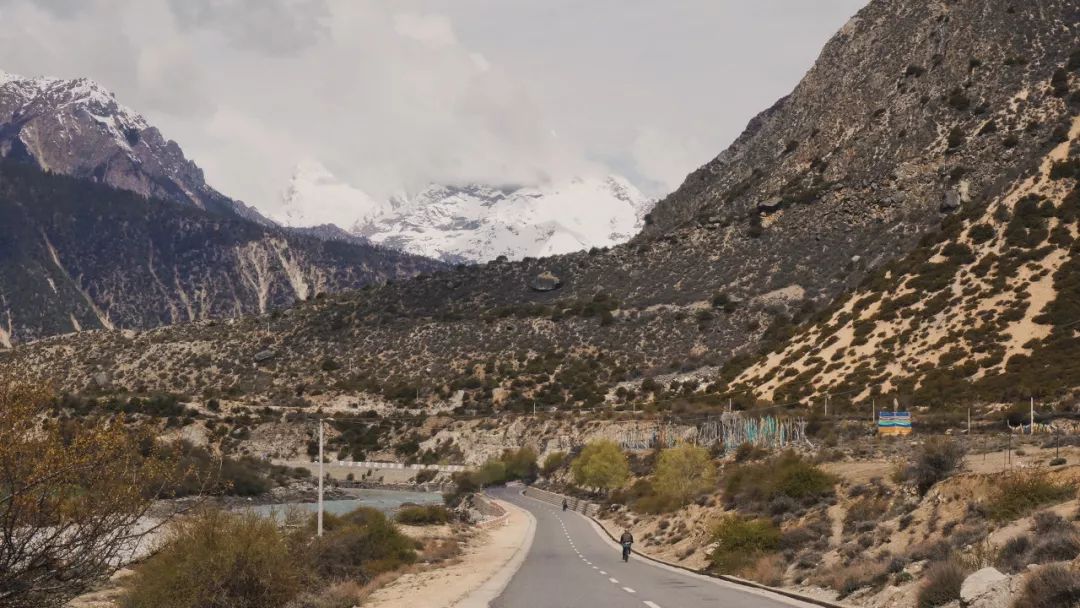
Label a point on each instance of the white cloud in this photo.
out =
(432, 29)
(395, 95)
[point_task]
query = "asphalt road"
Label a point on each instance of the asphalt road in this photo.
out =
(570, 565)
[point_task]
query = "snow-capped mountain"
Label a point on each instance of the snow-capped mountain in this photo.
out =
(474, 223)
(77, 128)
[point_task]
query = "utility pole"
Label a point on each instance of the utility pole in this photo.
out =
(320, 514)
(1031, 429)
(873, 411)
(969, 421)
(826, 405)
(319, 533)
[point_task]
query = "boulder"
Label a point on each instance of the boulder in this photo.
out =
(770, 206)
(545, 281)
(264, 355)
(951, 201)
(986, 588)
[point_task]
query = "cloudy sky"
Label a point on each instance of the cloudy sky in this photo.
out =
(395, 94)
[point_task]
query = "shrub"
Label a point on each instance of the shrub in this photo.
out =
(423, 515)
(683, 473)
(520, 464)
(936, 460)
(217, 559)
(786, 475)
(956, 138)
(552, 463)
(981, 233)
(1021, 493)
(941, 584)
(601, 465)
(1053, 586)
(361, 543)
(741, 541)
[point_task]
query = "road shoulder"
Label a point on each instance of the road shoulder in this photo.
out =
(479, 576)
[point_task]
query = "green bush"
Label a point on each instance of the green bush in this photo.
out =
(741, 541)
(1021, 493)
(423, 515)
(217, 559)
(552, 463)
(361, 544)
(788, 475)
(941, 584)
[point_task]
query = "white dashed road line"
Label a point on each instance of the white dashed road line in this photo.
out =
(614, 580)
(652, 604)
(628, 590)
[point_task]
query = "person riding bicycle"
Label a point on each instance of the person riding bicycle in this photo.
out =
(564, 504)
(626, 540)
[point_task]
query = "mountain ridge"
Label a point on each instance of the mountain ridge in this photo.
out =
(914, 116)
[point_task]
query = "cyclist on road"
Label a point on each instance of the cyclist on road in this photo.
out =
(626, 540)
(564, 504)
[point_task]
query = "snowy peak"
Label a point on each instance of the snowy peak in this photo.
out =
(315, 197)
(474, 222)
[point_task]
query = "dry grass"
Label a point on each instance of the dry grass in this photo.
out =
(767, 570)
(848, 579)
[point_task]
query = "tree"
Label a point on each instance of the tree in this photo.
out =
(683, 473)
(552, 463)
(71, 495)
(601, 465)
(521, 464)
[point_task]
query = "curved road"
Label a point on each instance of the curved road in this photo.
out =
(570, 565)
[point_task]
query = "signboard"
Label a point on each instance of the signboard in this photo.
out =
(894, 423)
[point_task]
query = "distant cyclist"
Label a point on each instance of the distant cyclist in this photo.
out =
(564, 504)
(626, 540)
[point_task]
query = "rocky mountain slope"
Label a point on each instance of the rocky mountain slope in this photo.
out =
(77, 256)
(473, 223)
(77, 128)
(917, 118)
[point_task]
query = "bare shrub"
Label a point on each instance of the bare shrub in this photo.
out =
(941, 584)
(936, 460)
(1053, 586)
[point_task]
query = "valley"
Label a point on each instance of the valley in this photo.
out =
(706, 372)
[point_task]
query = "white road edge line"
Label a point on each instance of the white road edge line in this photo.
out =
(652, 604)
(628, 590)
(614, 580)
(493, 587)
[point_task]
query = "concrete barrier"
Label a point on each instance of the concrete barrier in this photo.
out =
(573, 504)
(494, 513)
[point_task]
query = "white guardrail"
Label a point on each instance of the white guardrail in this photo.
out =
(445, 468)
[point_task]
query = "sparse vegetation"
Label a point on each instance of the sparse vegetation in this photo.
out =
(1018, 494)
(941, 584)
(741, 541)
(422, 515)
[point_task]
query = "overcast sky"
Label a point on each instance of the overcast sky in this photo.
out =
(395, 94)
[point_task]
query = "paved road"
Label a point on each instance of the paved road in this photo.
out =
(571, 566)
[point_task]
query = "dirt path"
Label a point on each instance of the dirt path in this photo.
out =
(486, 565)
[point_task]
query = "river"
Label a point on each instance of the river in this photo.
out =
(386, 501)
